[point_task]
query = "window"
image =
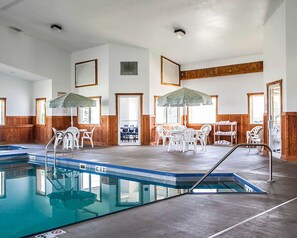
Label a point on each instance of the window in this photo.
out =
(205, 113)
(90, 115)
(256, 107)
(166, 115)
(40, 111)
(2, 111)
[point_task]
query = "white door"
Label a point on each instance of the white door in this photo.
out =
(274, 118)
(129, 120)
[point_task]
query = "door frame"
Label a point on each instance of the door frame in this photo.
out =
(280, 82)
(117, 95)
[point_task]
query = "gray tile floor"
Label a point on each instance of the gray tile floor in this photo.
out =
(215, 215)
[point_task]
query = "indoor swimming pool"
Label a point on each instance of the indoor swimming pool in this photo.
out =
(38, 200)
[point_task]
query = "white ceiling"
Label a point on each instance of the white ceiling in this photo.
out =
(215, 29)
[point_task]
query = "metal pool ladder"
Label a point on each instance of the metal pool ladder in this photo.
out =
(270, 180)
(55, 151)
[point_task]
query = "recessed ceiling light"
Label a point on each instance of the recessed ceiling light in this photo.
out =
(56, 28)
(15, 29)
(179, 33)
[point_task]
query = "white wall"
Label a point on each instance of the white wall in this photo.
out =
(128, 83)
(274, 49)
(231, 90)
(42, 89)
(102, 89)
(291, 52)
(156, 88)
(26, 53)
(18, 93)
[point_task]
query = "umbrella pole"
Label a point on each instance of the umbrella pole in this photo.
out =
(71, 113)
(185, 114)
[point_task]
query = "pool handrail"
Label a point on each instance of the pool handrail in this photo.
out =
(55, 147)
(270, 180)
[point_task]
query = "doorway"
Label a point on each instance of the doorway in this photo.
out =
(274, 95)
(129, 115)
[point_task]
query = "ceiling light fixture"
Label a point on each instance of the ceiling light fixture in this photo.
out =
(56, 28)
(179, 33)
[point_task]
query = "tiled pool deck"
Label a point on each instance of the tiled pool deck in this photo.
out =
(213, 215)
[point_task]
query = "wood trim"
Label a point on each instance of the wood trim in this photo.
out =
(245, 68)
(141, 111)
(169, 84)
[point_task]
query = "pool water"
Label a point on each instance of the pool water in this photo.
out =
(33, 200)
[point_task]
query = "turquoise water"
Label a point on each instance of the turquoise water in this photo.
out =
(31, 203)
(33, 200)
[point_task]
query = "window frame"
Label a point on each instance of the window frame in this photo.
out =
(100, 110)
(4, 116)
(37, 111)
(249, 95)
(193, 123)
(166, 123)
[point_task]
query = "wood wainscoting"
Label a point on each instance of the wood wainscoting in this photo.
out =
(289, 136)
(18, 129)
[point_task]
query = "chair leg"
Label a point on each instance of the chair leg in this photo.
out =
(92, 142)
(158, 140)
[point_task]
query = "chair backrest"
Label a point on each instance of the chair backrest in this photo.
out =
(256, 130)
(261, 134)
(206, 129)
(92, 131)
(74, 131)
(189, 134)
(160, 130)
(54, 130)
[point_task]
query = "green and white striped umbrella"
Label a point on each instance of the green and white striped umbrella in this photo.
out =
(184, 97)
(71, 100)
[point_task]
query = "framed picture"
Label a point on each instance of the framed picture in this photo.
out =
(170, 72)
(86, 73)
(129, 68)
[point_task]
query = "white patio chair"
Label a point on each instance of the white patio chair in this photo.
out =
(189, 139)
(201, 136)
(252, 133)
(162, 134)
(88, 135)
(258, 139)
(175, 141)
(71, 140)
(59, 137)
(206, 129)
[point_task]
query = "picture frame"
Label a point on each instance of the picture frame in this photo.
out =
(86, 73)
(170, 72)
